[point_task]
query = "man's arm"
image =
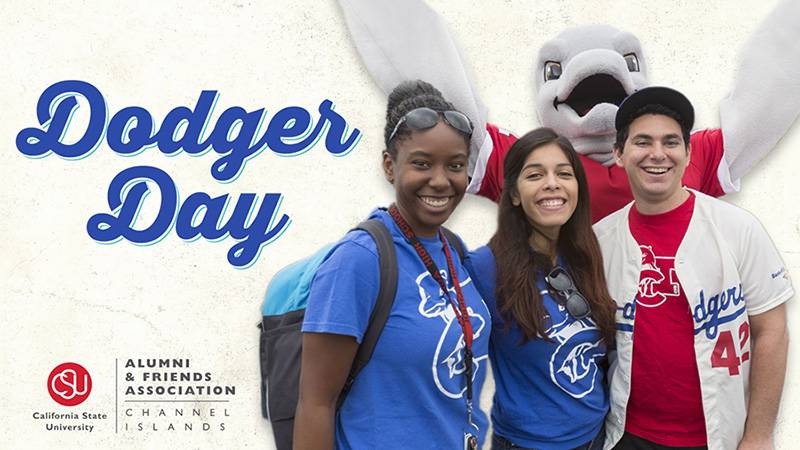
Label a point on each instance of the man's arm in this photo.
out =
(327, 359)
(770, 344)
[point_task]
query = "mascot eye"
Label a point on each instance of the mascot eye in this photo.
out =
(632, 62)
(552, 70)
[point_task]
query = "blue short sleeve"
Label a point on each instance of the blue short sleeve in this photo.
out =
(345, 288)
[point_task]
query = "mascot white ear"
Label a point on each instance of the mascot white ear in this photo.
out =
(581, 78)
(406, 40)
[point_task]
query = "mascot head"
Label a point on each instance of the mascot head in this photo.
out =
(581, 78)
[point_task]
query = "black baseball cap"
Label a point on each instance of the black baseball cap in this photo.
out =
(655, 95)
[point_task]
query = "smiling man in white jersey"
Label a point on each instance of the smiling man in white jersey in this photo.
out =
(704, 365)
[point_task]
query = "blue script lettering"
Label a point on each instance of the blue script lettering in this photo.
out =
(35, 142)
(628, 313)
(128, 190)
(707, 312)
(132, 129)
(290, 123)
(133, 123)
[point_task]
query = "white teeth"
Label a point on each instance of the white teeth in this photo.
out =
(435, 202)
(552, 202)
(655, 169)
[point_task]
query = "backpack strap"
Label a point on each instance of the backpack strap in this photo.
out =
(387, 258)
(454, 241)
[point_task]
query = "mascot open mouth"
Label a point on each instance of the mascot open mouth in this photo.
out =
(592, 91)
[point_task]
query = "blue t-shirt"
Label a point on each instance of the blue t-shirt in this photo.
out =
(412, 394)
(548, 396)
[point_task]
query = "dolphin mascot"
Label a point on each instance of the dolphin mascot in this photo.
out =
(581, 77)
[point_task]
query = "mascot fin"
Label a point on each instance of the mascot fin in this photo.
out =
(407, 40)
(765, 99)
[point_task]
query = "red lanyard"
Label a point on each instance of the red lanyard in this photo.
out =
(461, 308)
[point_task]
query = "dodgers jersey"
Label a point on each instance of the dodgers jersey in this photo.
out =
(729, 270)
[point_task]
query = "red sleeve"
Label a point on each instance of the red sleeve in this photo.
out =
(702, 173)
(492, 185)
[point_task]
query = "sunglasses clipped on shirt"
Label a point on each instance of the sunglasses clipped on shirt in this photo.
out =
(424, 118)
(577, 305)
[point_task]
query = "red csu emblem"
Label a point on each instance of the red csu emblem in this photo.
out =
(654, 285)
(69, 384)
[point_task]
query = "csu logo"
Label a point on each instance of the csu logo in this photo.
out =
(654, 286)
(69, 384)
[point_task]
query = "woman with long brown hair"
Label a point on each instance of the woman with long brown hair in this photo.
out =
(542, 278)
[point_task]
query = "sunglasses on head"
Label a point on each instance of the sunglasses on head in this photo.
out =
(424, 118)
(577, 305)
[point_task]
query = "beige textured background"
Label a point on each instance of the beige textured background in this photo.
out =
(67, 298)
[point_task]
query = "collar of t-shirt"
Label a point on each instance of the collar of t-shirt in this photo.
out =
(668, 229)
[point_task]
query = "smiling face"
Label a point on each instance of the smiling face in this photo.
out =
(429, 174)
(547, 190)
(655, 157)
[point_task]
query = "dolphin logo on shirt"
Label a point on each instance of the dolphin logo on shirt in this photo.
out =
(448, 359)
(573, 367)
